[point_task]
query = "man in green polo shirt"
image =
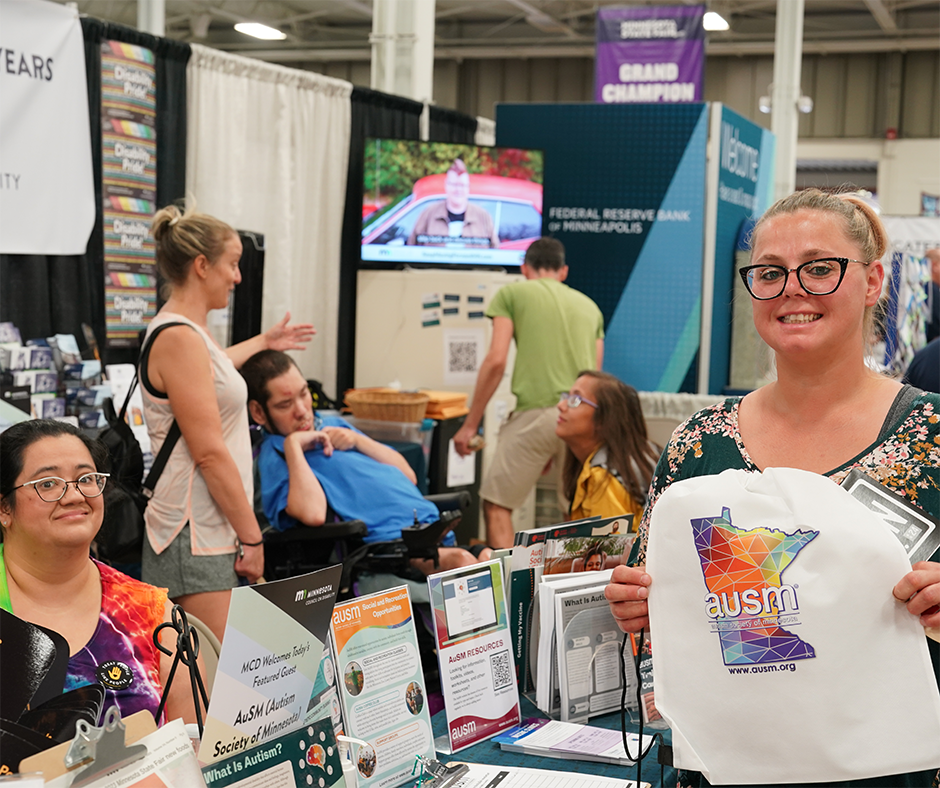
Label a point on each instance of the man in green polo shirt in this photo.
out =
(558, 333)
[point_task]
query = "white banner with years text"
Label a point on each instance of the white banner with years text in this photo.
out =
(47, 193)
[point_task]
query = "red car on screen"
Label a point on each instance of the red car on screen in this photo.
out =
(514, 204)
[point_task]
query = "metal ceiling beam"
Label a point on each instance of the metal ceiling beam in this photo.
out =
(358, 5)
(543, 21)
(882, 15)
(512, 51)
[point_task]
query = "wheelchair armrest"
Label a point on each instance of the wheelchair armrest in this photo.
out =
(422, 540)
(450, 501)
(350, 529)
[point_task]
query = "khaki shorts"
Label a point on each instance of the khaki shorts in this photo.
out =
(527, 441)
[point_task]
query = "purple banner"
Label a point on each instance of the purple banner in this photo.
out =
(649, 54)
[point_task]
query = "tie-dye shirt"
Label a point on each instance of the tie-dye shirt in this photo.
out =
(121, 655)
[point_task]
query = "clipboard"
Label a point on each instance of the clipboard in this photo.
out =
(52, 762)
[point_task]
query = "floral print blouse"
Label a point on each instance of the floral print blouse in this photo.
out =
(907, 461)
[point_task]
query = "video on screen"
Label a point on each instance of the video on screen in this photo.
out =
(449, 204)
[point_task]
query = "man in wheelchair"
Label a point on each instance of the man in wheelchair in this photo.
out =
(309, 464)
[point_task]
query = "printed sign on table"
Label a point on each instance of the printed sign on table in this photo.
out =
(305, 758)
(649, 55)
(270, 657)
(471, 626)
(382, 686)
(129, 188)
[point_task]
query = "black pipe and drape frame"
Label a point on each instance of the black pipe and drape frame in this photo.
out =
(54, 294)
(49, 294)
(380, 115)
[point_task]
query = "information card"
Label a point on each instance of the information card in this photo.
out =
(474, 650)
(382, 688)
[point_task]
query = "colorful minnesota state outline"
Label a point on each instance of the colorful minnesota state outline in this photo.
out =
(735, 561)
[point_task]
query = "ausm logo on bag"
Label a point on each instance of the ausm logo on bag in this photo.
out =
(746, 600)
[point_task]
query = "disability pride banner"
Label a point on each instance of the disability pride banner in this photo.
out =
(129, 188)
(649, 54)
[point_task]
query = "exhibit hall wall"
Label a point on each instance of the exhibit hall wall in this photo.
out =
(648, 226)
(625, 194)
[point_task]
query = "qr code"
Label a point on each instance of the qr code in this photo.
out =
(462, 357)
(501, 668)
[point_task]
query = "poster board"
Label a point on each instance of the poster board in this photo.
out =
(269, 661)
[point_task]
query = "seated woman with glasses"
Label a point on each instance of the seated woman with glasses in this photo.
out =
(609, 460)
(51, 507)
(826, 412)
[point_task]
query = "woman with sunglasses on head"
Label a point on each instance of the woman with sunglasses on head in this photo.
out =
(609, 460)
(815, 280)
(51, 507)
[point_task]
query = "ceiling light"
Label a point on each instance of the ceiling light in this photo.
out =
(714, 21)
(258, 30)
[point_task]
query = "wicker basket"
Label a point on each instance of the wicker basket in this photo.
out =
(387, 404)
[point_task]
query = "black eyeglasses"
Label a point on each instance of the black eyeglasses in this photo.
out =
(574, 400)
(817, 277)
(52, 488)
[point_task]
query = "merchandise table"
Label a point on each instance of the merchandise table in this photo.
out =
(490, 753)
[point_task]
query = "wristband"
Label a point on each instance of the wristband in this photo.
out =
(251, 544)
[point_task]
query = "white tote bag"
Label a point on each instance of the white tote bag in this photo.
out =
(780, 653)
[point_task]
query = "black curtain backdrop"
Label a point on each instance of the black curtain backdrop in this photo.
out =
(246, 300)
(376, 114)
(448, 125)
(44, 295)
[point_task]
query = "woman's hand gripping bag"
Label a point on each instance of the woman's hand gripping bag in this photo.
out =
(781, 655)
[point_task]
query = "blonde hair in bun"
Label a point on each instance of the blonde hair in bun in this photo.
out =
(181, 236)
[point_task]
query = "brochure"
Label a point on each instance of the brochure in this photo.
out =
(586, 553)
(471, 628)
(268, 666)
(570, 741)
(589, 664)
(303, 758)
(544, 663)
(480, 775)
(527, 562)
(382, 693)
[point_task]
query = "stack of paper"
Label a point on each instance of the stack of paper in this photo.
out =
(570, 741)
(446, 404)
(578, 667)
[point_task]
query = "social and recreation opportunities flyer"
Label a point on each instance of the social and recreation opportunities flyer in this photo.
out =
(381, 686)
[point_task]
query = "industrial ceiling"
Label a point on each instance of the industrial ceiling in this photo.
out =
(321, 31)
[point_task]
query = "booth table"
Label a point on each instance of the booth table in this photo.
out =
(489, 753)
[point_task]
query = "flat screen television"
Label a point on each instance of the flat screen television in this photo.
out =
(448, 204)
